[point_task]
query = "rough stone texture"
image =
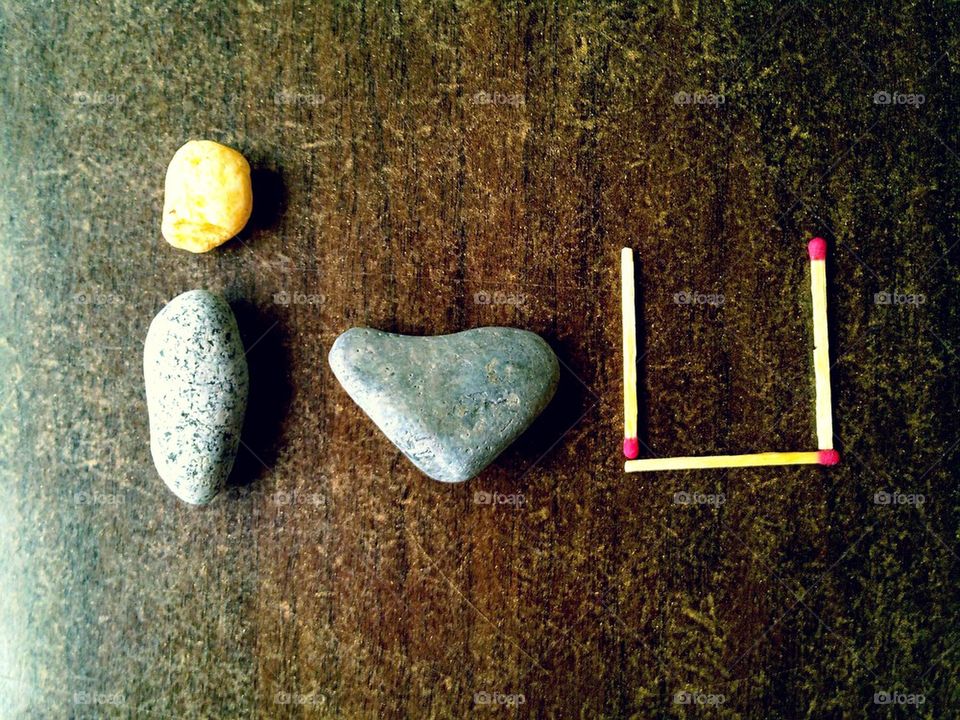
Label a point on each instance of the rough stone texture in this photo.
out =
(450, 403)
(196, 379)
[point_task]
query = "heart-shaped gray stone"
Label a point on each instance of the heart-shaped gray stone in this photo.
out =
(196, 380)
(450, 403)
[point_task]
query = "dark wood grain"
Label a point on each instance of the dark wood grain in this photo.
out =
(334, 580)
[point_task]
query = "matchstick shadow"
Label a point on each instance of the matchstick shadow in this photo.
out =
(643, 399)
(270, 391)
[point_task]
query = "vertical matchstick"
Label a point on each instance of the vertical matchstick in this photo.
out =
(631, 442)
(821, 351)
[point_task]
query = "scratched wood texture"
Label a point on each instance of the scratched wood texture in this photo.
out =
(432, 167)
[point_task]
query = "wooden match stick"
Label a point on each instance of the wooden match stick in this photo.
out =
(818, 457)
(821, 350)
(631, 442)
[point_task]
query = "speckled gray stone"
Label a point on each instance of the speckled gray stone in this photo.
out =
(196, 378)
(450, 403)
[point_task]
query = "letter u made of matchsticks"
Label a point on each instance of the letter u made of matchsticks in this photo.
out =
(825, 455)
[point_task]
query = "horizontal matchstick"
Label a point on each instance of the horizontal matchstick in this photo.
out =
(815, 457)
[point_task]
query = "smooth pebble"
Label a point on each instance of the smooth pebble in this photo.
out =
(196, 379)
(450, 403)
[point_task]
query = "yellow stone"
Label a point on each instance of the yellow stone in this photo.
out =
(207, 196)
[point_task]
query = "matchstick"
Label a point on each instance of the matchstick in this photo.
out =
(631, 442)
(821, 350)
(818, 457)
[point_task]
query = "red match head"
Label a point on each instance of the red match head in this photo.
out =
(817, 249)
(828, 457)
(631, 448)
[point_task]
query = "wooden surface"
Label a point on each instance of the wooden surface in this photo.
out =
(332, 579)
